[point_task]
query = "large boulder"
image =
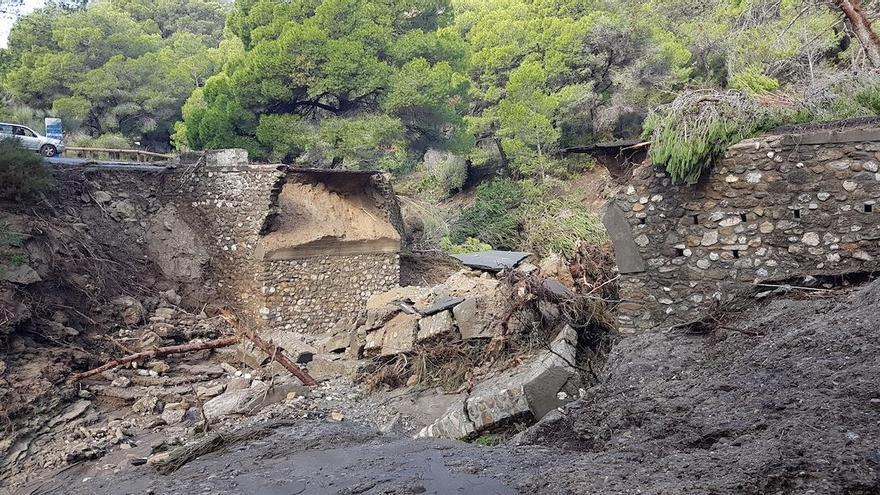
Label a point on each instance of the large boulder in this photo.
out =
(130, 310)
(19, 274)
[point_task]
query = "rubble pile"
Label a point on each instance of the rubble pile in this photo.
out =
(475, 308)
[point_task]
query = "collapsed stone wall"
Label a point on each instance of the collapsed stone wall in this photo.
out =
(775, 207)
(205, 224)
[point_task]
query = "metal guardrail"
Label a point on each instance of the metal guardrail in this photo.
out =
(110, 154)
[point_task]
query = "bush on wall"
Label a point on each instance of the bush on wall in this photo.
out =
(23, 173)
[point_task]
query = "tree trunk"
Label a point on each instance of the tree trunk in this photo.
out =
(861, 26)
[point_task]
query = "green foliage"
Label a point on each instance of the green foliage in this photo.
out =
(363, 84)
(552, 75)
(9, 237)
(22, 172)
(109, 140)
(488, 440)
(449, 170)
(494, 217)
(753, 81)
(121, 66)
(470, 245)
(557, 225)
(692, 132)
(520, 215)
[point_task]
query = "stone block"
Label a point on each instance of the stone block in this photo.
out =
(472, 320)
(251, 400)
(374, 339)
(436, 325)
(400, 334)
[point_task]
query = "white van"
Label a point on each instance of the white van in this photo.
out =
(31, 140)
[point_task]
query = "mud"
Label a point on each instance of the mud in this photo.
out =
(321, 457)
(781, 397)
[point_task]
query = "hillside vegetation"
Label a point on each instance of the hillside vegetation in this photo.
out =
(486, 88)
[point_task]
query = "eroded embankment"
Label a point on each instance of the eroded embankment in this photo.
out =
(777, 398)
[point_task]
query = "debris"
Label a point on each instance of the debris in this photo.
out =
(147, 404)
(493, 261)
(21, 274)
(337, 416)
(161, 351)
(271, 350)
(168, 462)
(250, 400)
(440, 324)
(72, 412)
(121, 382)
(442, 305)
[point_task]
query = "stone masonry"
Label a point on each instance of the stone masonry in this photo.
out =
(774, 208)
(214, 212)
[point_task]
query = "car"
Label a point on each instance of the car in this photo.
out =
(31, 140)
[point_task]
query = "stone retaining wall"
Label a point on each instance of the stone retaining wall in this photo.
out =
(310, 295)
(774, 208)
(204, 221)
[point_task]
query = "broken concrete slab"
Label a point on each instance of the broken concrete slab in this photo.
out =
(626, 252)
(326, 366)
(382, 299)
(436, 325)
(493, 261)
(400, 334)
(529, 391)
(551, 379)
(471, 319)
(441, 304)
(455, 423)
(497, 402)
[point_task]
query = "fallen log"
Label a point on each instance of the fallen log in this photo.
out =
(272, 350)
(269, 348)
(157, 352)
(278, 355)
(168, 462)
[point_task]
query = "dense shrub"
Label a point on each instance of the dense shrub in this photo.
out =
(554, 224)
(494, 217)
(109, 140)
(470, 245)
(520, 215)
(22, 172)
(690, 133)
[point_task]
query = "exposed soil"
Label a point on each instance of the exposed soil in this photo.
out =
(317, 219)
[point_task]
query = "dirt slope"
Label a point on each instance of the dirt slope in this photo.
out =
(780, 398)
